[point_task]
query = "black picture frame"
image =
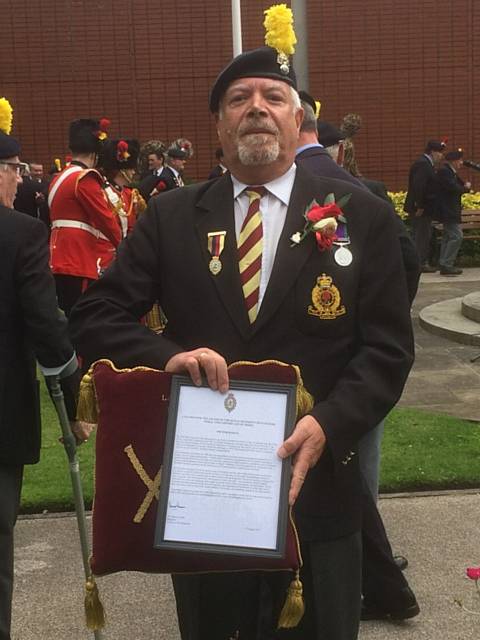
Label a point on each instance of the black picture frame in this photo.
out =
(178, 382)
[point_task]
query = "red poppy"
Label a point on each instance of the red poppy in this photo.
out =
(318, 212)
(473, 573)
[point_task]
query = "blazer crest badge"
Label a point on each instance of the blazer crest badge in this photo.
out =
(326, 299)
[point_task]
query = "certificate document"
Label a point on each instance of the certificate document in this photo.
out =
(224, 489)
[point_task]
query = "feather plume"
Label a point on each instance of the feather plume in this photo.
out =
(351, 123)
(6, 116)
(279, 29)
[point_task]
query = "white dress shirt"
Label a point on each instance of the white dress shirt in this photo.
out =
(273, 209)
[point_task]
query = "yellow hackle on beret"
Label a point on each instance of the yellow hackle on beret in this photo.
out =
(6, 116)
(279, 29)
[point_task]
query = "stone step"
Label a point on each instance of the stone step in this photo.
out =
(445, 319)
(471, 306)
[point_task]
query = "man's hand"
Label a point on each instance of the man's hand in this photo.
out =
(81, 431)
(192, 362)
(418, 213)
(307, 442)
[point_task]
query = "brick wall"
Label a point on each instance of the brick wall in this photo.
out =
(407, 68)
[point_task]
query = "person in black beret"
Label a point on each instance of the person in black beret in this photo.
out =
(421, 197)
(450, 188)
(33, 330)
(381, 573)
(352, 339)
(311, 152)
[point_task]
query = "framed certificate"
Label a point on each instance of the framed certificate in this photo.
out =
(224, 489)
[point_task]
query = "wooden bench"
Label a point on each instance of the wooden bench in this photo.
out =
(470, 225)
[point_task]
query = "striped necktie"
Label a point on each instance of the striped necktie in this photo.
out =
(250, 251)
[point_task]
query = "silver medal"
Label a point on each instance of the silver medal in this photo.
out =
(343, 256)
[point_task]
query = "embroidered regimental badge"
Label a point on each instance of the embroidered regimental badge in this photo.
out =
(326, 300)
(230, 402)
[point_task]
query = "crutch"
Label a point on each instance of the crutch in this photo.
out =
(94, 613)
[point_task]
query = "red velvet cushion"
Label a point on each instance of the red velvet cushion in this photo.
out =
(133, 407)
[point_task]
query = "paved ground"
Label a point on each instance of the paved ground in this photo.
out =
(439, 533)
(443, 378)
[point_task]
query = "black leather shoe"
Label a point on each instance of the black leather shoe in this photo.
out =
(404, 608)
(450, 271)
(401, 562)
(426, 268)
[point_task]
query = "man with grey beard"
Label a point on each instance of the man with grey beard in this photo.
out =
(266, 292)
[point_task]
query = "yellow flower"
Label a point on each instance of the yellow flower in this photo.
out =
(279, 29)
(5, 116)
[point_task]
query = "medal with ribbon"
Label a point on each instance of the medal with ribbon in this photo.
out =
(343, 256)
(216, 243)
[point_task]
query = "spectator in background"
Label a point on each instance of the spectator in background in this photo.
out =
(80, 214)
(386, 592)
(117, 162)
(421, 198)
(220, 168)
(169, 178)
(449, 210)
(151, 159)
(32, 194)
(32, 329)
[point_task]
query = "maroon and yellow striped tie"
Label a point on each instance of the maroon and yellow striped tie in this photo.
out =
(250, 251)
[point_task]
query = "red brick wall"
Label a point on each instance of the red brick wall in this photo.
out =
(407, 68)
(410, 69)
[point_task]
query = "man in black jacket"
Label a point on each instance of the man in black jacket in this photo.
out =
(420, 199)
(449, 210)
(354, 347)
(385, 590)
(31, 329)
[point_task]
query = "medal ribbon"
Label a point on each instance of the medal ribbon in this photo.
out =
(216, 243)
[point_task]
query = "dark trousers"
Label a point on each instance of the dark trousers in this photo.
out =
(69, 289)
(10, 489)
(246, 605)
(382, 580)
(421, 228)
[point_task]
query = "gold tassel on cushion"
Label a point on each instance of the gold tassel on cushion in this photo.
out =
(304, 398)
(87, 410)
(94, 613)
(294, 607)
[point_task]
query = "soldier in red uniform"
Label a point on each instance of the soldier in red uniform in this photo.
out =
(118, 161)
(80, 214)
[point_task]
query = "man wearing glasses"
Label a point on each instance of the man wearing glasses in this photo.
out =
(31, 329)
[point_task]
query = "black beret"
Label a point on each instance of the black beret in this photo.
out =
(174, 152)
(111, 154)
(259, 63)
(83, 136)
(9, 147)
(307, 98)
(454, 155)
(435, 145)
(328, 134)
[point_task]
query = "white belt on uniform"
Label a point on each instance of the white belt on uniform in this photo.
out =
(76, 224)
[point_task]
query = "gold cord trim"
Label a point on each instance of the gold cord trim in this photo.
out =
(304, 399)
(153, 486)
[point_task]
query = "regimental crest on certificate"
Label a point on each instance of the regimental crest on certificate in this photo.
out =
(230, 402)
(224, 489)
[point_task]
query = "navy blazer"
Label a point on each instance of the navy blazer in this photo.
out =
(450, 188)
(31, 328)
(354, 362)
(421, 187)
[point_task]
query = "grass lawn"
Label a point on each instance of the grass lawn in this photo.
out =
(420, 451)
